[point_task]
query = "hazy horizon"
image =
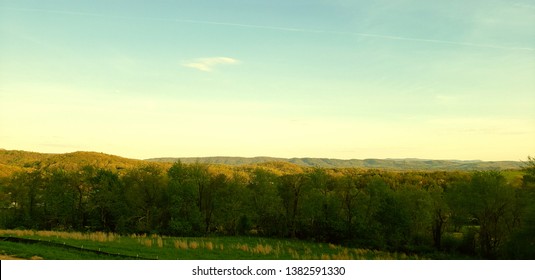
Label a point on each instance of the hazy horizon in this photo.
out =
(290, 79)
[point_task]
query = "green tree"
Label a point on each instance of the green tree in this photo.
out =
(82, 186)
(393, 219)
(528, 180)
(291, 190)
(107, 206)
(320, 218)
(144, 192)
(440, 214)
(185, 215)
(60, 200)
(522, 242)
(230, 215)
(23, 196)
(417, 204)
(349, 191)
(486, 202)
(264, 203)
(210, 198)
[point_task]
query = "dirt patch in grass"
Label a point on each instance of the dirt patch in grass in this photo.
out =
(7, 257)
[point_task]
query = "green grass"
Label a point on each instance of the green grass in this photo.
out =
(40, 251)
(172, 248)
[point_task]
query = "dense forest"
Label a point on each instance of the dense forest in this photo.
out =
(479, 214)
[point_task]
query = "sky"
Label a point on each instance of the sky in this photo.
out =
(333, 79)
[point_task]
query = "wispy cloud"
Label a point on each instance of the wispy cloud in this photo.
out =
(207, 64)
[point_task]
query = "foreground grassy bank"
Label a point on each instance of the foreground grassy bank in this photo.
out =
(98, 245)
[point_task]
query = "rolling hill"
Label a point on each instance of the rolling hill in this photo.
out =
(12, 161)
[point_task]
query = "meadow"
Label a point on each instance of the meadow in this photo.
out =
(76, 245)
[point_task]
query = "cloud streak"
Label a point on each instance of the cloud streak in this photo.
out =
(289, 29)
(361, 34)
(208, 64)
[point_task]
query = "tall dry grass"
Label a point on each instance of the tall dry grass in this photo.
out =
(262, 249)
(92, 236)
(160, 242)
(193, 245)
(180, 244)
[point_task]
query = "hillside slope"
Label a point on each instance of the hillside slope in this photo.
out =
(13, 161)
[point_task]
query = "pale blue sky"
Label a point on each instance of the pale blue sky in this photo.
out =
(339, 79)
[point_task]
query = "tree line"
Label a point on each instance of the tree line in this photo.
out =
(478, 214)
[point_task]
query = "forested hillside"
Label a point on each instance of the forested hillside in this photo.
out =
(12, 161)
(480, 214)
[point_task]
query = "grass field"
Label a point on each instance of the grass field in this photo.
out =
(87, 246)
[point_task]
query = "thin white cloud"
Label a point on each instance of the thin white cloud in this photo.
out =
(207, 64)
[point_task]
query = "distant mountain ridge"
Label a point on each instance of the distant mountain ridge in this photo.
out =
(390, 164)
(12, 161)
